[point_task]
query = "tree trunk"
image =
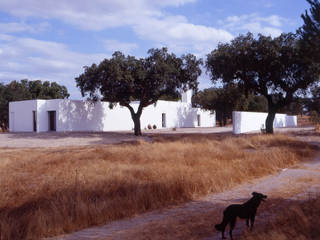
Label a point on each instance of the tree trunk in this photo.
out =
(135, 117)
(137, 125)
(269, 122)
(272, 109)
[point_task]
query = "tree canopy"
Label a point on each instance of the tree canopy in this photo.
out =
(272, 67)
(26, 90)
(226, 99)
(122, 79)
(310, 31)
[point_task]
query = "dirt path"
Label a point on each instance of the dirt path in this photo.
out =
(195, 220)
(63, 139)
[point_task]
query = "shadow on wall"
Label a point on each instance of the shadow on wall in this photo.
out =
(291, 121)
(81, 116)
(187, 116)
(278, 122)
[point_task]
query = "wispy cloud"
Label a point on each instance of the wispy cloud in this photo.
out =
(14, 27)
(46, 60)
(271, 25)
(147, 18)
(112, 45)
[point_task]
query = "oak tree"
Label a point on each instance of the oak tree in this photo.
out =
(272, 67)
(122, 79)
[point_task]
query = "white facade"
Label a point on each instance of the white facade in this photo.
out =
(243, 122)
(74, 115)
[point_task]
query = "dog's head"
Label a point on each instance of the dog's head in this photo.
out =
(259, 196)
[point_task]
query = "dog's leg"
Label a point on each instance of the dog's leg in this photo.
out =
(232, 225)
(222, 231)
(222, 226)
(223, 237)
(252, 217)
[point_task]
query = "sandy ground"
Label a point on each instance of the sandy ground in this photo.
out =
(55, 139)
(294, 184)
(62, 139)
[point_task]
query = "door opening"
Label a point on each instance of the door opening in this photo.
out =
(199, 120)
(164, 120)
(52, 120)
(34, 114)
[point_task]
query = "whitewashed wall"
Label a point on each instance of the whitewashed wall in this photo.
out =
(178, 114)
(21, 116)
(73, 115)
(252, 121)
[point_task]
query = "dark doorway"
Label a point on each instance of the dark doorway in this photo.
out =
(52, 120)
(199, 120)
(164, 121)
(34, 114)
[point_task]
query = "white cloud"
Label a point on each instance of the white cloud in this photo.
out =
(113, 45)
(90, 15)
(180, 35)
(13, 27)
(254, 23)
(145, 17)
(34, 59)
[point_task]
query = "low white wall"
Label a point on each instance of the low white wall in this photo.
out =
(75, 115)
(21, 115)
(243, 122)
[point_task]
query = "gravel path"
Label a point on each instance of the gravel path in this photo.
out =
(63, 139)
(292, 184)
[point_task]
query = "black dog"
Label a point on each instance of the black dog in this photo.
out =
(246, 211)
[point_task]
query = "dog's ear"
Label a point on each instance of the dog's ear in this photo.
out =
(254, 194)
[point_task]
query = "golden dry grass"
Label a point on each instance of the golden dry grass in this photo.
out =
(46, 192)
(297, 220)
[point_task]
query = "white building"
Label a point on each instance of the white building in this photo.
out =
(243, 122)
(76, 115)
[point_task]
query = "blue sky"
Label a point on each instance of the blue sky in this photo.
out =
(53, 39)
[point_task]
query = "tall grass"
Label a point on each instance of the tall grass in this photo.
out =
(46, 192)
(297, 220)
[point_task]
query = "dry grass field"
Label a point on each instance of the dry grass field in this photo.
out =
(297, 220)
(46, 192)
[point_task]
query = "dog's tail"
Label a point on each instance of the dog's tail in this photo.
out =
(222, 226)
(219, 227)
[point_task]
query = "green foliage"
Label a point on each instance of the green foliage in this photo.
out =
(227, 99)
(312, 104)
(315, 117)
(121, 79)
(26, 90)
(272, 67)
(310, 31)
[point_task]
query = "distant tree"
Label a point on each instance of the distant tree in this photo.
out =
(274, 68)
(310, 31)
(122, 79)
(222, 100)
(26, 90)
(226, 99)
(312, 104)
(46, 90)
(257, 103)
(298, 106)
